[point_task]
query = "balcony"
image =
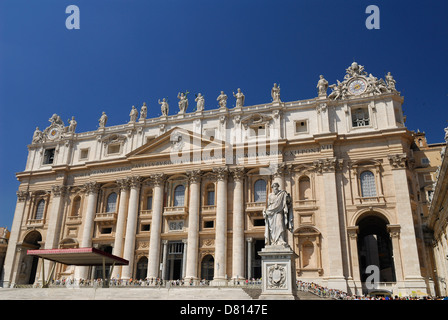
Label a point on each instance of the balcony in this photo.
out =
(208, 210)
(255, 208)
(72, 220)
(175, 212)
(306, 204)
(106, 217)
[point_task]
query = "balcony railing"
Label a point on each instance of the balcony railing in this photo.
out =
(175, 212)
(106, 217)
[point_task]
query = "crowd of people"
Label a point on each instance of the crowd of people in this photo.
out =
(311, 287)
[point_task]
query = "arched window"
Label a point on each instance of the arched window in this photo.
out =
(76, 206)
(260, 190)
(368, 188)
(179, 196)
(40, 210)
(111, 202)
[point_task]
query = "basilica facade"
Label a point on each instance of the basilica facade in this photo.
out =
(182, 196)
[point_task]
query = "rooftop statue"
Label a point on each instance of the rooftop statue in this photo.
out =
(322, 86)
(239, 98)
(222, 100)
(103, 120)
(143, 111)
(199, 102)
(275, 93)
(72, 125)
(133, 115)
(183, 102)
(164, 107)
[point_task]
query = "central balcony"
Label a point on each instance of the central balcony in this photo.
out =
(175, 212)
(106, 217)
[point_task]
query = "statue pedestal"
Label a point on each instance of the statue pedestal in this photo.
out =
(278, 273)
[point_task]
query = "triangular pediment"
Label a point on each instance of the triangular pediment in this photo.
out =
(174, 141)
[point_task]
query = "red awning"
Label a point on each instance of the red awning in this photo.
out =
(79, 256)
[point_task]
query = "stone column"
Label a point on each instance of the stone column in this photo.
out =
(129, 242)
(238, 225)
(10, 265)
(407, 243)
(394, 232)
(121, 221)
(327, 168)
(55, 217)
(91, 190)
(193, 226)
(249, 257)
(164, 258)
(184, 258)
(55, 220)
(158, 181)
(221, 225)
(353, 244)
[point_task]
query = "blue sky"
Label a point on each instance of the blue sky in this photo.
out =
(128, 52)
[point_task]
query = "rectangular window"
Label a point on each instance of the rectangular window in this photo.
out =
(259, 222)
(113, 148)
(149, 203)
(49, 156)
(425, 161)
(106, 230)
(211, 198)
(209, 224)
(360, 117)
(301, 126)
(84, 154)
(145, 227)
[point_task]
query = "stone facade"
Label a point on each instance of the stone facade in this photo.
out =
(437, 223)
(181, 196)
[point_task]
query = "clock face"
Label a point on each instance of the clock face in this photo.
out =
(357, 86)
(53, 133)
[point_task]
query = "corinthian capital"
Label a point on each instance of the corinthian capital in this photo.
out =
(237, 173)
(134, 181)
(221, 172)
(22, 195)
(123, 183)
(194, 175)
(91, 187)
(397, 160)
(58, 190)
(158, 179)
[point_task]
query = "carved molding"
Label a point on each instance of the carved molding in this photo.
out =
(158, 179)
(221, 172)
(91, 187)
(397, 161)
(22, 195)
(194, 176)
(238, 173)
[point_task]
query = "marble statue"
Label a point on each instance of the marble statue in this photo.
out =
(143, 111)
(55, 119)
(183, 102)
(322, 86)
(72, 125)
(164, 107)
(133, 115)
(239, 98)
(37, 136)
(390, 82)
(222, 100)
(103, 120)
(275, 93)
(199, 102)
(278, 215)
